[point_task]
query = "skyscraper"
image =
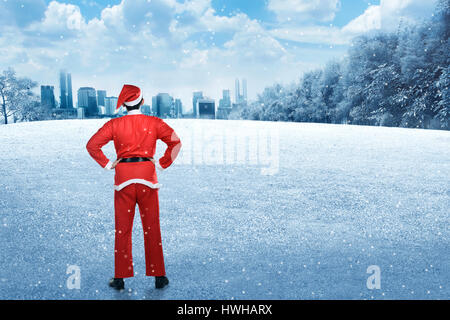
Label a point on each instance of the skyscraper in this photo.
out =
(164, 105)
(237, 91)
(225, 102)
(63, 90)
(101, 95)
(92, 109)
(206, 108)
(197, 95)
(87, 99)
(224, 105)
(110, 105)
(69, 91)
(178, 108)
(155, 106)
(48, 97)
(146, 109)
(244, 89)
(65, 86)
(241, 98)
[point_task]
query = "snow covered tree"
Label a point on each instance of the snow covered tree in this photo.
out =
(424, 53)
(443, 106)
(389, 79)
(332, 91)
(15, 95)
(32, 110)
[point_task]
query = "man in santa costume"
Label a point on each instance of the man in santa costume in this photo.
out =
(135, 181)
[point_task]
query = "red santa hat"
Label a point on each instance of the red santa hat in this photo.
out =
(129, 96)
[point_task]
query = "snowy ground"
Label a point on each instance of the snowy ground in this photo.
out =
(341, 198)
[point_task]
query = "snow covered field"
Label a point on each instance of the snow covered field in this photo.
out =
(336, 200)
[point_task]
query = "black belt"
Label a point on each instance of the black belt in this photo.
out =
(136, 159)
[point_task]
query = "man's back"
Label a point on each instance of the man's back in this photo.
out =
(135, 135)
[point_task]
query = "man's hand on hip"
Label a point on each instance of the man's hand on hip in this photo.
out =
(115, 163)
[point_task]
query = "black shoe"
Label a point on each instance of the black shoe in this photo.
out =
(161, 282)
(117, 283)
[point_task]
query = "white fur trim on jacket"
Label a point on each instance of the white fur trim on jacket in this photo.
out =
(108, 165)
(158, 166)
(142, 181)
(133, 112)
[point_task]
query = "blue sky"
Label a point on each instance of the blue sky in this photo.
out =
(255, 9)
(179, 46)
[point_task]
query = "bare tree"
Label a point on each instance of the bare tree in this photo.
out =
(15, 94)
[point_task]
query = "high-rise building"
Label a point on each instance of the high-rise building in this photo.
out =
(62, 90)
(48, 97)
(154, 106)
(146, 109)
(101, 95)
(87, 99)
(164, 105)
(178, 108)
(237, 91)
(206, 108)
(110, 105)
(92, 109)
(65, 86)
(224, 108)
(197, 95)
(244, 90)
(225, 102)
(241, 98)
(69, 91)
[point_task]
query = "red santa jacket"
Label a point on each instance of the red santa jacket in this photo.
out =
(135, 135)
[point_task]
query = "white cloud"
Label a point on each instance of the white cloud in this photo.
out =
(313, 34)
(62, 19)
(196, 7)
(407, 11)
(254, 44)
(194, 58)
(300, 11)
(385, 16)
(113, 16)
(389, 13)
(369, 20)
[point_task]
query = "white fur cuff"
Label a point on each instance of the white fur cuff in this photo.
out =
(158, 166)
(108, 165)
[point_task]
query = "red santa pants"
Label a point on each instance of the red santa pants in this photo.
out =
(124, 204)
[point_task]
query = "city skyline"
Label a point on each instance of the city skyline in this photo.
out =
(186, 109)
(92, 99)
